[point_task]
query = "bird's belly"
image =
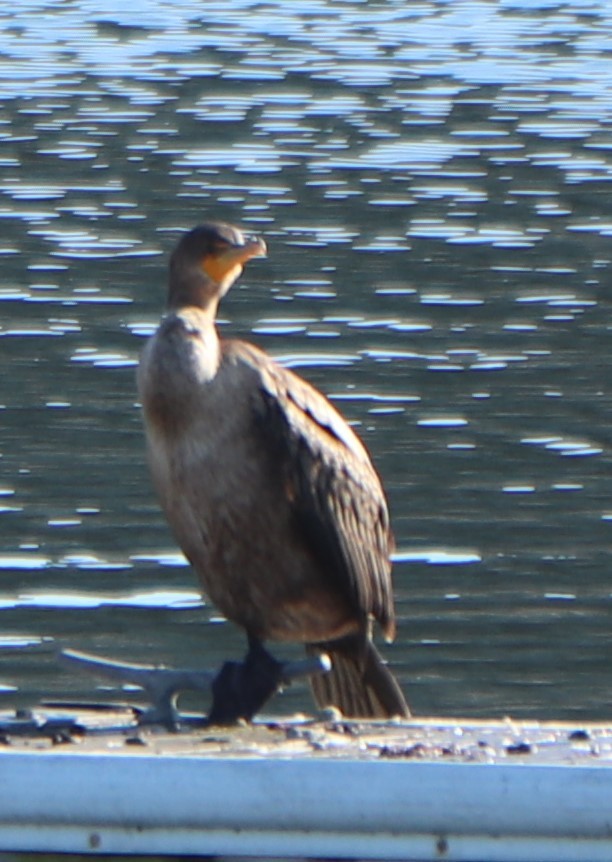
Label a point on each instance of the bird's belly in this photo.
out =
(235, 526)
(267, 581)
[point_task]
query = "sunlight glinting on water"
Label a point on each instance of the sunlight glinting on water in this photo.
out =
(149, 599)
(438, 557)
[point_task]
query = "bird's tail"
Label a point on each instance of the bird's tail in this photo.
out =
(359, 683)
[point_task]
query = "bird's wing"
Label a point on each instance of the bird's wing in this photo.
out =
(329, 480)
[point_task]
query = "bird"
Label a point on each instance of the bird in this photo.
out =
(269, 492)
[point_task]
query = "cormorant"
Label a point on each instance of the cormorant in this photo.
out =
(270, 494)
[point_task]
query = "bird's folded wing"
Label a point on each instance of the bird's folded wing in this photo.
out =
(336, 493)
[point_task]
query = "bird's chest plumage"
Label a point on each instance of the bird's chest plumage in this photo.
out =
(203, 445)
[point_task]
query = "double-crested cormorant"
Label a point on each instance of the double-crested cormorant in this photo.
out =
(270, 494)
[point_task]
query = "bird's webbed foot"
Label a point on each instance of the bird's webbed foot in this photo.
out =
(241, 689)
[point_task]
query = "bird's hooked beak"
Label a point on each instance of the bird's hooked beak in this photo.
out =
(225, 265)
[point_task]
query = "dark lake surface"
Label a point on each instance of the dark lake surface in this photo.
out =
(433, 182)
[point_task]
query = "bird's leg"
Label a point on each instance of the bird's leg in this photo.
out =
(241, 689)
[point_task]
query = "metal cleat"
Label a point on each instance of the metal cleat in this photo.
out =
(235, 695)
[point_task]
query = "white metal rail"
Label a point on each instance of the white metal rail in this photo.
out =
(132, 803)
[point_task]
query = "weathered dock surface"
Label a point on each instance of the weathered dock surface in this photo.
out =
(111, 731)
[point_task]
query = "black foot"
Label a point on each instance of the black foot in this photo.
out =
(241, 689)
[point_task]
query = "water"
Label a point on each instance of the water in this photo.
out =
(433, 181)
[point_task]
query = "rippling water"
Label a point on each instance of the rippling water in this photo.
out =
(433, 181)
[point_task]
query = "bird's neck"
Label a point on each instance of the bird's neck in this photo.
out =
(190, 287)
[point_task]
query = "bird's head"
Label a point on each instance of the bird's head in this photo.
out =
(207, 261)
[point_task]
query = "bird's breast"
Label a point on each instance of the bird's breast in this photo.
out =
(175, 366)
